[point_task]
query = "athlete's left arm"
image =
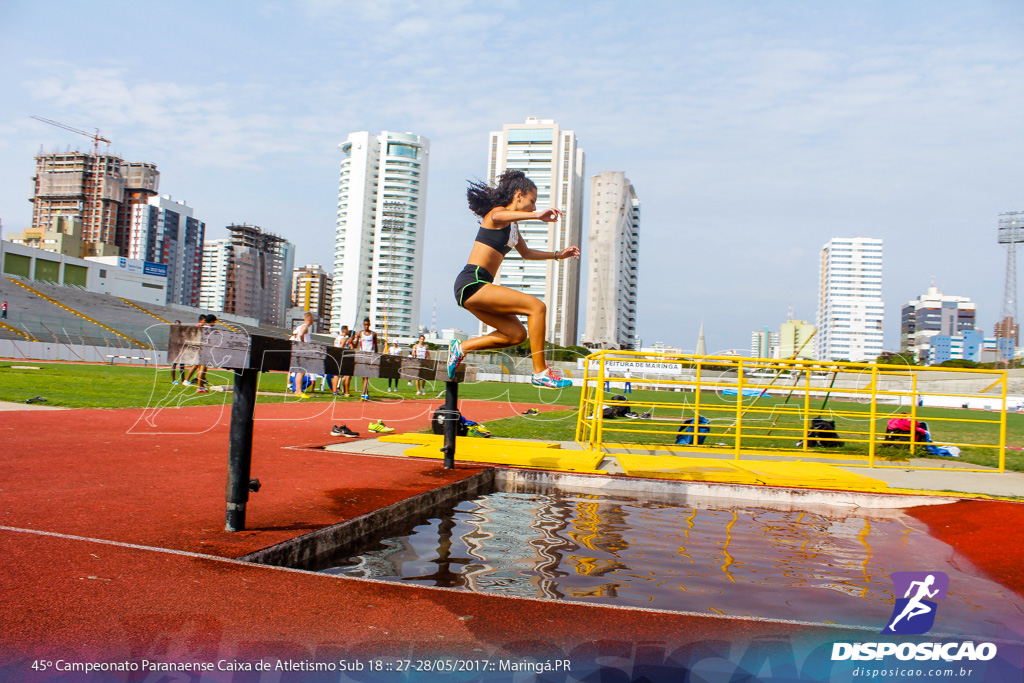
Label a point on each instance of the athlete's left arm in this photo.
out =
(534, 255)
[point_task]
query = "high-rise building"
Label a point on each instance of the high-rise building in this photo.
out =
(612, 263)
(378, 246)
(550, 157)
(311, 290)
(1008, 328)
(794, 340)
(764, 344)
(97, 189)
(248, 274)
(164, 231)
(791, 341)
(932, 314)
(218, 262)
(850, 307)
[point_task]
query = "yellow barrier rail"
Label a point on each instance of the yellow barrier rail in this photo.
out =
(742, 407)
(83, 316)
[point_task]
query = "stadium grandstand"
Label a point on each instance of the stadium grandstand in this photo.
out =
(46, 320)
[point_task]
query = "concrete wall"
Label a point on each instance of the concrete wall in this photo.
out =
(77, 352)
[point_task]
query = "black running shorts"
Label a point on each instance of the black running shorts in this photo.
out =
(469, 281)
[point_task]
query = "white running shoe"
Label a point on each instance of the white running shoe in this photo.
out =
(546, 380)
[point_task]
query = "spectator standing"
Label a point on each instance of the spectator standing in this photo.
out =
(177, 369)
(365, 340)
(201, 369)
(342, 341)
(419, 350)
(393, 350)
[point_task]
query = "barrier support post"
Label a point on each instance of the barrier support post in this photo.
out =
(243, 405)
(583, 400)
(739, 413)
(807, 412)
(873, 429)
(451, 422)
(598, 412)
(913, 415)
(1002, 426)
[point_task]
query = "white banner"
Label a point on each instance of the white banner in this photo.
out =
(638, 368)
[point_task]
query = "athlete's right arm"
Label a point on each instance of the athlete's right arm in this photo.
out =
(502, 217)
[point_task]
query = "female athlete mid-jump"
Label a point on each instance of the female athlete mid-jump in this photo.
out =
(499, 208)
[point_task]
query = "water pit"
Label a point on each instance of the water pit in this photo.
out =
(792, 555)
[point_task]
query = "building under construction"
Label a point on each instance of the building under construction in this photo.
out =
(99, 190)
(249, 273)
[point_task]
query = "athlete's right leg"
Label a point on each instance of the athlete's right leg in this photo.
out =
(508, 331)
(501, 305)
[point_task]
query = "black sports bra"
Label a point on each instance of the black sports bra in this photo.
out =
(500, 239)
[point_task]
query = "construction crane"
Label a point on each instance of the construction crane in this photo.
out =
(94, 230)
(96, 137)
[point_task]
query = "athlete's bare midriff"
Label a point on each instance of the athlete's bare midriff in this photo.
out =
(486, 257)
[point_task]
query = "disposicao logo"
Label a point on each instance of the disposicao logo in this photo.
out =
(914, 613)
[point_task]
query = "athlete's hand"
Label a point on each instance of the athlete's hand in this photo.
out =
(548, 215)
(568, 252)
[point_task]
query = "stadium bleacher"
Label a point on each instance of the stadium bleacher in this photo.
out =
(41, 320)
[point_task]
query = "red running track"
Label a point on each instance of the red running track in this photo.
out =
(78, 486)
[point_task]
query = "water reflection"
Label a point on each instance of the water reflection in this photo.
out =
(703, 556)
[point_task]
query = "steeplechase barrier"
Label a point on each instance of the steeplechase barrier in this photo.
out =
(722, 405)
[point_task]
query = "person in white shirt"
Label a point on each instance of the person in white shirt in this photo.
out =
(419, 350)
(304, 333)
(393, 350)
(366, 340)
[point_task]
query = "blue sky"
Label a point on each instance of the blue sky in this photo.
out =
(753, 132)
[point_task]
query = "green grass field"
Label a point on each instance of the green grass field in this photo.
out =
(76, 385)
(771, 424)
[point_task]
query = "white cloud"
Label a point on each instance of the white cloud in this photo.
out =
(755, 135)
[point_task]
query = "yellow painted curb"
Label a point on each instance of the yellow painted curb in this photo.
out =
(952, 494)
(690, 469)
(810, 474)
(523, 456)
(464, 441)
(771, 473)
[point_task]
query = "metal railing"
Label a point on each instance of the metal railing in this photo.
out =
(747, 406)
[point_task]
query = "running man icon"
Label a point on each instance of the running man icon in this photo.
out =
(914, 613)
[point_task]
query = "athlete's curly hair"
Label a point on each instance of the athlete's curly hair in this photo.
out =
(482, 197)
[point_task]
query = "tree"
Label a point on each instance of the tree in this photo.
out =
(901, 358)
(959, 363)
